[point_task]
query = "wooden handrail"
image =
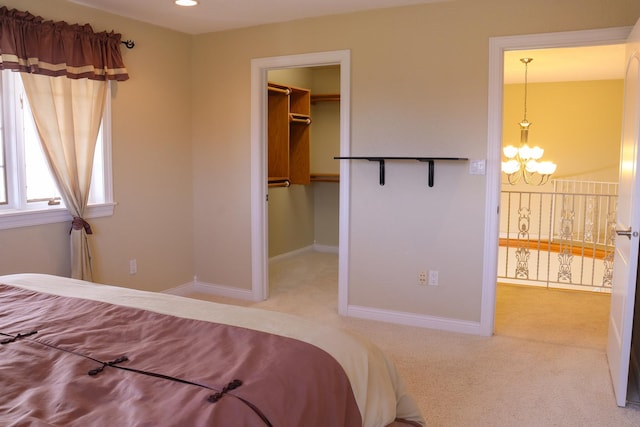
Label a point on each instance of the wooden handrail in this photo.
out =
(545, 245)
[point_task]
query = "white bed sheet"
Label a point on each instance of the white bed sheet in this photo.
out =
(378, 389)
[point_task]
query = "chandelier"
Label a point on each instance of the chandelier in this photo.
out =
(523, 162)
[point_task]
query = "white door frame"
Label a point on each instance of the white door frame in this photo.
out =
(259, 190)
(497, 47)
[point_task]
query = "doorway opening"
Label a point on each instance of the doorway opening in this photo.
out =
(260, 69)
(303, 198)
(557, 239)
(619, 332)
(498, 46)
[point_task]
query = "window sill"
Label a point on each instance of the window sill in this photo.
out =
(25, 218)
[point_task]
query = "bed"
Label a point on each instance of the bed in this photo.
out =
(80, 353)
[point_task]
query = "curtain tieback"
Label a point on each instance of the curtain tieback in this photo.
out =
(79, 223)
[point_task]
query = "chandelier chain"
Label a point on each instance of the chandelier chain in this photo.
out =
(526, 70)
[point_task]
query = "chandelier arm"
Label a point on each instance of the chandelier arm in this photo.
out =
(536, 178)
(512, 180)
(545, 179)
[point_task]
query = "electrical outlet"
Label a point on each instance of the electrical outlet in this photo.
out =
(422, 278)
(133, 266)
(433, 277)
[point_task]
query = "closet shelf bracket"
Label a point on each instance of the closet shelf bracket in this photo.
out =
(381, 160)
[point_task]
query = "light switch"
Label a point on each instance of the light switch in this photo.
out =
(477, 167)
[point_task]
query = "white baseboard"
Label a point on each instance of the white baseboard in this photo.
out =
(291, 254)
(389, 316)
(311, 248)
(211, 289)
(382, 315)
(182, 290)
(325, 248)
(412, 319)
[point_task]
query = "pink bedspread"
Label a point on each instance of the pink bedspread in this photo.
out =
(152, 369)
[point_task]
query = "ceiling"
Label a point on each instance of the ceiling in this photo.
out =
(219, 15)
(566, 64)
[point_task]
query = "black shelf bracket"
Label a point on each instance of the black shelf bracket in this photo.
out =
(429, 160)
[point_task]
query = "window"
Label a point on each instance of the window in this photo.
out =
(28, 193)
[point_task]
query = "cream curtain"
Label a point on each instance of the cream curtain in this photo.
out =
(68, 113)
(65, 69)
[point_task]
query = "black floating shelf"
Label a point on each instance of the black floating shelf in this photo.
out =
(381, 160)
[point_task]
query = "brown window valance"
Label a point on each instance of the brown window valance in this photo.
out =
(30, 44)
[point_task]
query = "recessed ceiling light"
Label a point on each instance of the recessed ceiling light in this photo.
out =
(186, 2)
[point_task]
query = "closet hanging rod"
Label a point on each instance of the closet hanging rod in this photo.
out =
(306, 121)
(277, 89)
(285, 183)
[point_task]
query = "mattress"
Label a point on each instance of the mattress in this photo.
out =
(372, 382)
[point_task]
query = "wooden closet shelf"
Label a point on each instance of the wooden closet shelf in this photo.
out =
(288, 132)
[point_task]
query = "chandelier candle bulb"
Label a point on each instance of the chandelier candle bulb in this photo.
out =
(536, 152)
(510, 151)
(525, 152)
(546, 168)
(533, 166)
(510, 167)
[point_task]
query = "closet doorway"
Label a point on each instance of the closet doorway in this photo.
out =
(303, 129)
(260, 200)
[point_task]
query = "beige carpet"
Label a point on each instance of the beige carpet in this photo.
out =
(558, 316)
(531, 373)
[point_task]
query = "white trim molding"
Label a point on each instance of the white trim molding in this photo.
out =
(259, 224)
(26, 218)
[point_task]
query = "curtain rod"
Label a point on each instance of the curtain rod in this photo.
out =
(129, 44)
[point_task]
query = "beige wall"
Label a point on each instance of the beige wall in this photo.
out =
(325, 129)
(152, 165)
(182, 147)
(326, 210)
(418, 87)
(325, 145)
(577, 123)
(291, 218)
